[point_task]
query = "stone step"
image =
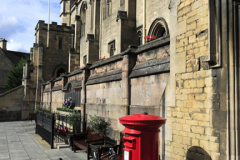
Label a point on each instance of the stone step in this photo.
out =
(61, 145)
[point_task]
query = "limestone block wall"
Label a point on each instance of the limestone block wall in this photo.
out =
(84, 49)
(105, 99)
(57, 100)
(109, 29)
(191, 119)
(145, 92)
(12, 104)
(105, 93)
(46, 100)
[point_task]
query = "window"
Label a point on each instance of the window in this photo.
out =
(83, 19)
(92, 13)
(122, 2)
(139, 36)
(72, 40)
(60, 43)
(60, 71)
(159, 31)
(158, 28)
(111, 48)
(85, 59)
(109, 11)
(107, 8)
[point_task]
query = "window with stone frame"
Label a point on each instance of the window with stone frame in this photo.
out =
(111, 48)
(85, 59)
(83, 19)
(122, 2)
(72, 40)
(158, 28)
(139, 35)
(109, 7)
(60, 43)
(92, 13)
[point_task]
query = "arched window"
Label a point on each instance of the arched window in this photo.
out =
(83, 18)
(139, 36)
(159, 28)
(60, 71)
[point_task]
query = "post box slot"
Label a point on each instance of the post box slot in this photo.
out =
(129, 142)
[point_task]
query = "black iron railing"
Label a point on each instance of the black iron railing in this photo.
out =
(45, 126)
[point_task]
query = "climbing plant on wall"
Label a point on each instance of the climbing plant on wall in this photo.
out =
(15, 75)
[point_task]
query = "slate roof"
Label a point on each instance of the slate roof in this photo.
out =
(14, 56)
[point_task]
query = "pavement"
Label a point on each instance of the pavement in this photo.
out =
(18, 141)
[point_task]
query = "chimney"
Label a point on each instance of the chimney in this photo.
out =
(3, 43)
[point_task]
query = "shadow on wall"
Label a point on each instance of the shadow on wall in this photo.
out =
(197, 153)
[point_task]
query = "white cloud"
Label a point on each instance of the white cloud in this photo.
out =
(18, 19)
(14, 46)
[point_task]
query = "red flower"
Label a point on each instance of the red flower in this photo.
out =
(152, 36)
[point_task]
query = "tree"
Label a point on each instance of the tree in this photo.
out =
(15, 75)
(100, 126)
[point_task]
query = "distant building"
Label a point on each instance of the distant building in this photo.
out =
(8, 60)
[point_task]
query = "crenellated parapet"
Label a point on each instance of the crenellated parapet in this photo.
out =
(54, 27)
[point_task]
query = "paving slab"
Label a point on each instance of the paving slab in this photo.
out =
(18, 141)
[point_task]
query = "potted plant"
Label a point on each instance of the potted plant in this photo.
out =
(74, 120)
(99, 125)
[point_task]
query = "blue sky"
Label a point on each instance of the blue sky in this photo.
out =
(18, 19)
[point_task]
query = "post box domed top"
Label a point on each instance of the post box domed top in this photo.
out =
(142, 119)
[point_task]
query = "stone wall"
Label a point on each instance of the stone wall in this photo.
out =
(191, 117)
(124, 84)
(12, 107)
(57, 100)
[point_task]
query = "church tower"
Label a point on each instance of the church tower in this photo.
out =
(66, 11)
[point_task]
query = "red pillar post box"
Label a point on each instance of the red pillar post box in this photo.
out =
(141, 136)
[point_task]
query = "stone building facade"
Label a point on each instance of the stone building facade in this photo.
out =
(188, 74)
(9, 59)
